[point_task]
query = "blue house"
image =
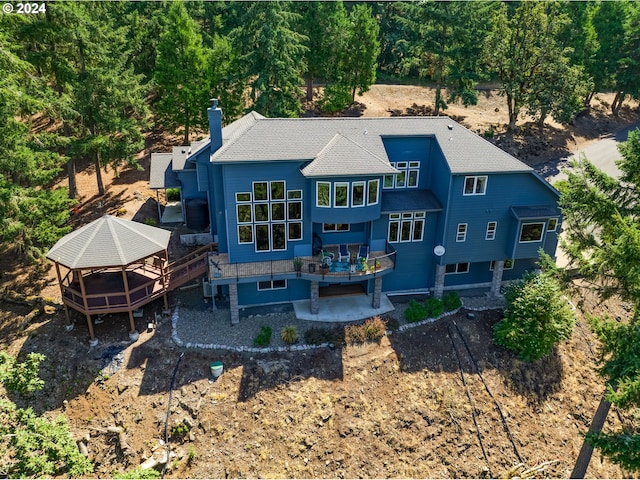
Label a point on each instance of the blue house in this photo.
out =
(302, 207)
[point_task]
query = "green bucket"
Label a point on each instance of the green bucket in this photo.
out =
(216, 369)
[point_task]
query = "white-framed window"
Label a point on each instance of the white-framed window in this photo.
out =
(456, 268)
(335, 227)
(341, 195)
(552, 225)
(272, 285)
(476, 185)
(491, 230)
(243, 197)
(269, 215)
(406, 227)
(373, 187)
(531, 232)
(461, 234)
(245, 234)
(323, 194)
(294, 231)
(407, 177)
(508, 264)
(358, 190)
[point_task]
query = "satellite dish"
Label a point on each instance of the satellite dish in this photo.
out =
(439, 250)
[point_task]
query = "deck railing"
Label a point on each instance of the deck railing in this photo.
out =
(308, 267)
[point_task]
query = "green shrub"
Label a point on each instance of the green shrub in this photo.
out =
(263, 338)
(451, 301)
(173, 194)
(433, 307)
(150, 221)
(537, 317)
(180, 430)
(137, 473)
(318, 336)
(21, 377)
(289, 334)
(415, 312)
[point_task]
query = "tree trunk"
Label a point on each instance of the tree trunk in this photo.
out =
(187, 125)
(309, 83)
(99, 175)
(588, 98)
(513, 113)
(71, 172)
(543, 117)
(616, 105)
(436, 110)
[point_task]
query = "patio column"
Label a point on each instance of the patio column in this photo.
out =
(233, 304)
(377, 292)
(83, 291)
(315, 297)
(496, 281)
(438, 288)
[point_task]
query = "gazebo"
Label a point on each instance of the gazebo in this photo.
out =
(112, 265)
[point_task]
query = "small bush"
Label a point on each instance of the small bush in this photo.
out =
(415, 312)
(21, 377)
(263, 339)
(150, 221)
(318, 336)
(289, 334)
(433, 307)
(354, 334)
(173, 194)
(451, 301)
(179, 430)
(374, 329)
(192, 455)
(137, 473)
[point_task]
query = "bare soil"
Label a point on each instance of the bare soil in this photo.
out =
(437, 401)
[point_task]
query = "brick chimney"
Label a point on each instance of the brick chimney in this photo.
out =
(215, 125)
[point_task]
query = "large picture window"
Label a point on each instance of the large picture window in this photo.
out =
(269, 216)
(531, 232)
(406, 227)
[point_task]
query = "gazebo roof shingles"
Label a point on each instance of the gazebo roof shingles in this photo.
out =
(108, 242)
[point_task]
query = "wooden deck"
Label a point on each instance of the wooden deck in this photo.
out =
(310, 267)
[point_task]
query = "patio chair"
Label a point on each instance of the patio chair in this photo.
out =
(326, 257)
(343, 252)
(363, 252)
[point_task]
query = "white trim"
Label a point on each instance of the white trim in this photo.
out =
(244, 193)
(555, 226)
(318, 183)
(245, 205)
(375, 181)
(284, 191)
(544, 225)
(335, 230)
(363, 184)
(335, 194)
(424, 221)
(475, 185)
(272, 287)
(285, 234)
(491, 233)
(253, 190)
(462, 236)
(289, 224)
(255, 237)
(293, 202)
(252, 234)
(299, 190)
(457, 272)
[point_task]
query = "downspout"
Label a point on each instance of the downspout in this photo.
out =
(446, 215)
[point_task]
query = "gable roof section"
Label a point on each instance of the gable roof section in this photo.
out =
(343, 157)
(302, 139)
(108, 242)
(161, 175)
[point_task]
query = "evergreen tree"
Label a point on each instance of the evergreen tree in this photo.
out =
(272, 58)
(602, 240)
(181, 75)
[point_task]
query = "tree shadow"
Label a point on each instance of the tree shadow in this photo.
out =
(533, 380)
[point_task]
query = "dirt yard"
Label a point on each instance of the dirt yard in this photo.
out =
(437, 401)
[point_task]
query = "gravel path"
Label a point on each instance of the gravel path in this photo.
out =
(204, 328)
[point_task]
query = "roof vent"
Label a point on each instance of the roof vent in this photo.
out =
(184, 151)
(365, 132)
(450, 127)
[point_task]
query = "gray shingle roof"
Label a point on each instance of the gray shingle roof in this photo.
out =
(303, 139)
(108, 242)
(161, 174)
(533, 212)
(409, 200)
(342, 156)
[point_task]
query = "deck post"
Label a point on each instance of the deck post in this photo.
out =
(66, 310)
(496, 280)
(86, 307)
(377, 292)
(90, 325)
(233, 304)
(315, 297)
(438, 288)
